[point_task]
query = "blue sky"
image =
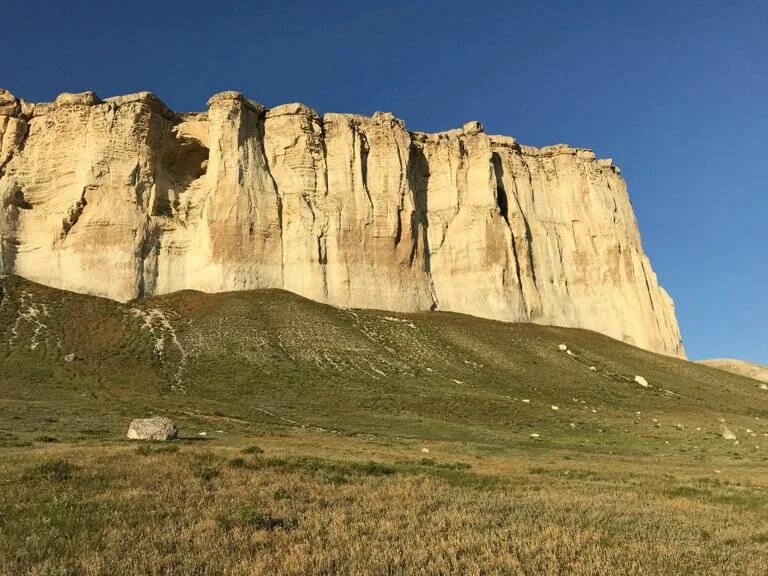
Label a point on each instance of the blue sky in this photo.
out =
(675, 92)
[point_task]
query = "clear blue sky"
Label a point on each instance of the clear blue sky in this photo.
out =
(675, 92)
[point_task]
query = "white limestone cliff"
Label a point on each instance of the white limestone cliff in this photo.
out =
(124, 198)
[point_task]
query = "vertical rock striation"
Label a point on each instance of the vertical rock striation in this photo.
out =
(125, 198)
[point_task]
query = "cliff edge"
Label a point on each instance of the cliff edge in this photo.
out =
(125, 198)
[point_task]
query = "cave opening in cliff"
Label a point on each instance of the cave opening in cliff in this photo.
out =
(183, 161)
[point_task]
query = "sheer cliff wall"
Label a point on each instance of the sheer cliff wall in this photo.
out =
(124, 198)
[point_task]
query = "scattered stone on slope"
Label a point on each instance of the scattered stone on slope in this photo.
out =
(642, 381)
(155, 428)
(728, 434)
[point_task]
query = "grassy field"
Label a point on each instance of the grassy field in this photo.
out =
(323, 441)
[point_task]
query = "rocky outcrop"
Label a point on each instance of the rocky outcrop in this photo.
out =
(155, 428)
(125, 198)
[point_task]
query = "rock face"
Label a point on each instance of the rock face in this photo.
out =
(124, 198)
(157, 428)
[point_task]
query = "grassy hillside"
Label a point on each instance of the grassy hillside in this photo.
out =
(388, 444)
(741, 367)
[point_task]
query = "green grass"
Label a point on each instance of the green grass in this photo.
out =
(269, 360)
(346, 442)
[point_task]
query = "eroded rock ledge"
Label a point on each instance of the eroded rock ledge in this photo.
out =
(125, 198)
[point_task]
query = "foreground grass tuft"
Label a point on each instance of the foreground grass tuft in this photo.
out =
(206, 473)
(57, 470)
(256, 519)
(153, 448)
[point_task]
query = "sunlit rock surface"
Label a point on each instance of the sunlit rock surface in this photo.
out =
(125, 198)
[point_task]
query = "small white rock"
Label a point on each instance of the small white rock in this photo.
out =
(569, 353)
(593, 368)
(534, 435)
(425, 450)
(642, 381)
(555, 407)
(728, 434)
(526, 400)
(202, 433)
(563, 347)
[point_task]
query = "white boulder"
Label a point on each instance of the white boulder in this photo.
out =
(156, 428)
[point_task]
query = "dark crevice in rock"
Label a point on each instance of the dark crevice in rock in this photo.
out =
(322, 252)
(74, 215)
(16, 199)
(418, 180)
(365, 149)
(498, 168)
(147, 262)
(501, 193)
(501, 201)
(399, 229)
(322, 257)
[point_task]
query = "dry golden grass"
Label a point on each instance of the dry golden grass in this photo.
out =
(210, 508)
